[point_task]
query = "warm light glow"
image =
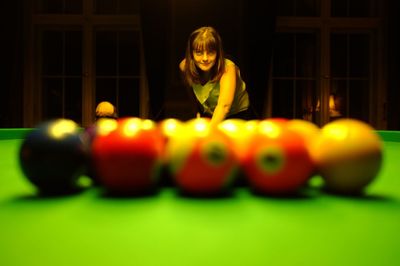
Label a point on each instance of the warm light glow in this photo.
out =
(251, 125)
(170, 126)
(332, 102)
(62, 127)
(333, 111)
(338, 132)
(148, 124)
(229, 126)
(105, 126)
(270, 129)
(198, 127)
(318, 106)
(201, 127)
(131, 127)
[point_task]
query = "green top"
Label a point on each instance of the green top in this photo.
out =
(208, 94)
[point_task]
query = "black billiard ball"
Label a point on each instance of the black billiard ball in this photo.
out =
(53, 156)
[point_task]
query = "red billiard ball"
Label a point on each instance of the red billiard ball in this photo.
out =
(53, 156)
(201, 159)
(348, 155)
(88, 135)
(278, 120)
(277, 160)
(127, 156)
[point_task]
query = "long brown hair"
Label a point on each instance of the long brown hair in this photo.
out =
(208, 39)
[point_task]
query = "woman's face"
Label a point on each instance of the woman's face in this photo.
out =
(204, 60)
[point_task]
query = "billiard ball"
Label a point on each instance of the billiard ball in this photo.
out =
(101, 126)
(168, 128)
(53, 157)
(127, 156)
(106, 110)
(308, 130)
(201, 159)
(235, 129)
(277, 161)
(240, 132)
(279, 120)
(348, 153)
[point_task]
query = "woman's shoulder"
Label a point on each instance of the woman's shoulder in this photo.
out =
(229, 62)
(230, 65)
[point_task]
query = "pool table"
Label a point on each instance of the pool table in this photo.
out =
(166, 228)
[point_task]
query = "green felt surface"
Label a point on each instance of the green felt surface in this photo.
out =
(14, 133)
(168, 229)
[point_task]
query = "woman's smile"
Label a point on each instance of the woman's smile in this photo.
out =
(205, 60)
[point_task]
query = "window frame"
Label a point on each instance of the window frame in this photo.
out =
(87, 21)
(325, 25)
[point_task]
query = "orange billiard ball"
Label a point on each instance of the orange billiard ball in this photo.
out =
(201, 159)
(277, 160)
(348, 153)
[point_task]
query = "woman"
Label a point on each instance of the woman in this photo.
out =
(216, 82)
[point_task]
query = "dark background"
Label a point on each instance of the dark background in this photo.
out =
(165, 29)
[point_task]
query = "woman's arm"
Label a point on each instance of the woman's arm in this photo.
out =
(226, 95)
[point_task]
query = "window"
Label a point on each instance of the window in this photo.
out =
(299, 8)
(58, 6)
(117, 69)
(350, 75)
(294, 79)
(81, 52)
(61, 73)
(327, 61)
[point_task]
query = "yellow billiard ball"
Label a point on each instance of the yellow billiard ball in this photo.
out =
(168, 128)
(348, 154)
(240, 132)
(308, 130)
